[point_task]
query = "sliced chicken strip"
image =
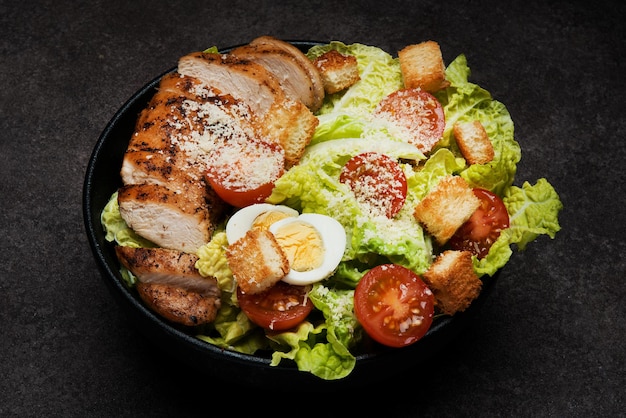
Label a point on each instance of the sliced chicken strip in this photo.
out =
(243, 79)
(177, 120)
(167, 267)
(169, 284)
(178, 305)
(288, 123)
(303, 60)
(293, 76)
(169, 218)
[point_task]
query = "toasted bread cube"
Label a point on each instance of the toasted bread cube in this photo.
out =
(257, 261)
(473, 142)
(446, 207)
(453, 281)
(422, 66)
(291, 126)
(338, 71)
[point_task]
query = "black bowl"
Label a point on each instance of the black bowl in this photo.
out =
(103, 178)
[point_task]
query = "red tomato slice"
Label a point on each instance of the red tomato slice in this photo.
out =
(418, 113)
(243, 171)
(281, 307)
(377, 181)
(483, 228)
(393, 305)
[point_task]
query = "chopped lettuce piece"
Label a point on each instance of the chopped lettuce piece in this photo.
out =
(534, 211)
(463, 102)
(343, 113)
(212, 262)
(330, 359)
(236, 332)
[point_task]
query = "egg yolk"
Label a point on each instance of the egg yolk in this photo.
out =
(264, 220)
(302, 245)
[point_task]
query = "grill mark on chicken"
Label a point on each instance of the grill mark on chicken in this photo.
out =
(164, 266)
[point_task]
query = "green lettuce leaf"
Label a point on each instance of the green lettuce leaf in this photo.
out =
(117, 230)
(343, 113)
(463, 102)
(313, 186)
(234, 331)
(324, 350)
(212, 262)
(533, 210)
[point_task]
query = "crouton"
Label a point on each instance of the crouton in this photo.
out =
(446, 207)
(453, 281)
(291, 126)
(422, 66)
(473, 142)
(338, 71)
(257, 261)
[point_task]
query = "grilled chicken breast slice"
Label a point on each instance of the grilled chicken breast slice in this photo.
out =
(167, 267)
(292, 71)
(178, 305)
(303, 61)
(169, 148)
(243, 79)
(168, 218)
(169, 284)
(283, 121)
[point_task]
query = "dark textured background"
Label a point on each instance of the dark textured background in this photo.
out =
(550, 341)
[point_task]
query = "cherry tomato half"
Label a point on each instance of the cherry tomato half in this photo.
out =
(416, 111)
(483, 228)
(393, 305)
(243, 172)
(378, 182)
(281, 307)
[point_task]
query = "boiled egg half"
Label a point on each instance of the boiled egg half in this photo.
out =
(313, 243)
(260, 215)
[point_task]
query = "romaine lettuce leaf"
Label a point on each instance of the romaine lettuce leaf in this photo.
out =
(212, 262)
(342, 113)
(464, 101)
(533, 211)
(117, 230)
(324, 350)
(236, 332)
(313, 186)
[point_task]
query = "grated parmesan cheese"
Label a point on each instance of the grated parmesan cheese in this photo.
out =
(410, 118)
(245, 164)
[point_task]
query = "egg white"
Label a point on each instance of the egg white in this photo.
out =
(333, 238)
(242, 220)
